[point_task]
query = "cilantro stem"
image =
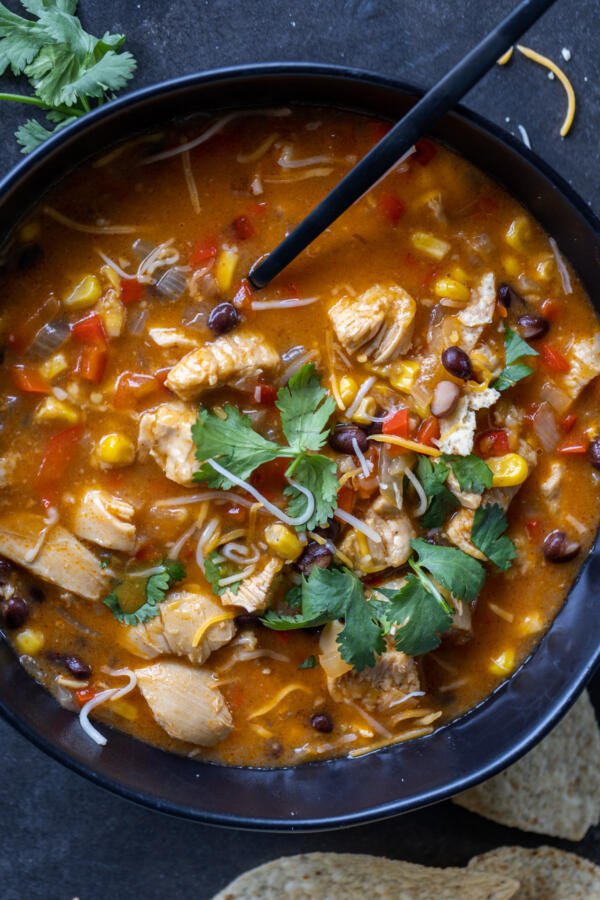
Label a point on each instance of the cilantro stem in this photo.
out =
(35, 101)
(428, 584)
(291, 469)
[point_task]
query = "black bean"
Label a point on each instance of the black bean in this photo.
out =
(342, 436)
(559, 548)
(223, 318)
(30, 256)
(507, 296)
(247, 620)
(314, 555)
(37, 593)
(73, 664)
(594, 453)
(376, 427)
(456, 361)
(532, 328)
(14, 611)
(322, 722)
(330, 531)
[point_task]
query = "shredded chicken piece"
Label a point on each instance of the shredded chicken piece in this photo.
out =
(105, 520)
(584, 361)
(255, 590)
(165, 434)
(396, 532)
(379, 323)
(458, 531)
(393, 676)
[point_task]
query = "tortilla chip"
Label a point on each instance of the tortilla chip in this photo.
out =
(545, 873)
(555, 788)
(347, 876)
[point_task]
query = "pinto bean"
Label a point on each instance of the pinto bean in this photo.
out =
(559, 548)
(457, 362)
(445, 398)
(342, 436)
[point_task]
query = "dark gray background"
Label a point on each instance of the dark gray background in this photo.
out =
(61, 837)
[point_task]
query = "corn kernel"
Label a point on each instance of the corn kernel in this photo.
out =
(112, 312)
(116, 449)
(365, 411)
(53, 410)
(282, 541)
(518, 233)
(452, 289)
(225, 267)
(404, 374)
(29, 641)
(348, 388)
(531, 624)
(511, 266)
(429, 244)
(113, 278)
(508, 470)
(85, 294)
(124, 709)
(459, 274)
(504, 663)
(30, 232)
(54, 366)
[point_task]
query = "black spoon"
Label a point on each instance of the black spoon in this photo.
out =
(384, 155)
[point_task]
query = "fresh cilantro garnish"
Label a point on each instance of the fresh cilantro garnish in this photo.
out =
(487, 534)
(421, 614)
(471, 472)
(441, 500)
(143, 596)
(458, 572)
(305, 408)
(308, 663)
(515, 349)
(216, 568)
(67, 68)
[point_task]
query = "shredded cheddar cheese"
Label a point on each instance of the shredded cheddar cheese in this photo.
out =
(506, 57)
(281, 695)
(214, 620)
(406, 443)
(549, 64)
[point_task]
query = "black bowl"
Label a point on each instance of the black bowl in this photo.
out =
(340, 792)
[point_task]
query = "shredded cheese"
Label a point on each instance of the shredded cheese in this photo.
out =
(506, 57)
(406, 736)
(549, 64)
(406, 443)
(281, 695)
(214, 620)
(501, 613)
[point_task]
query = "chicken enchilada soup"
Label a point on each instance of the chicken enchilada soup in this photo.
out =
(269, 527)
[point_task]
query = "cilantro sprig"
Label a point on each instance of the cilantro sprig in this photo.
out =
(514, 370)
(472, 474)
(305, 408)
(487, 533)
(69, 70)
(216, 568)
(143, 596)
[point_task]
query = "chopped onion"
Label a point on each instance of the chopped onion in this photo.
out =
(217, 496)
(369, 532)
(274, 510)
(214, 129)
(296, 362)
(560, 263)
(87, 229)
(364, 463)
(172, 283)
(555, 397)
(544, 425)
(291, 303)
(422, 507)
(360, 394)
(49, 338)
(136, 320)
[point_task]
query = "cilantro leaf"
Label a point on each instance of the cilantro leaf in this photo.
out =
(420, 616)
(305, 409)
(487, 534)
(361, 638)
(458, 572)
(318, 474)
(214, 570)
(154, 592)
(515, 349)
(309, 663)
(233, 442)
(471, 472)
(324, 597)
(441, 501)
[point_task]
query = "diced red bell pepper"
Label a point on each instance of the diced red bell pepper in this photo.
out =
(428, 431)
(242, 297)
(568, 422)
(493, 443)
(533, 528)
(397, 423)
(57, 458)
(90, 331)
(391, 207)
(29, 380)
(425, 151)
(573, 448)
(131, 387)
(132, 290)
(91, 363)
(203, 251)
(243, 228)
(346, 498)
(83, 695)
(265, 395)
(553, 359)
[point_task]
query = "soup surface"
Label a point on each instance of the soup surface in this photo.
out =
(264, 528)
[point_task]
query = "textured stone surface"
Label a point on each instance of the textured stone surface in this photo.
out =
(61, 837)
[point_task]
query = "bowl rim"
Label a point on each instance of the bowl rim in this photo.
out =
(538, 724)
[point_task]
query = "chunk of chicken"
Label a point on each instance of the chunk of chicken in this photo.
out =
(186, 702)
(105, 520)
(380, 322)
(8, 465)
(584, 365)
(172, 337)
(550, 485)
(222, 362)
(254, 592)
(396, 532)
(458, 531)
(52, 553)
(479, 312)
(467, 499)
(379, 688)
(458, 430)
(165, 434)
(183, 628)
